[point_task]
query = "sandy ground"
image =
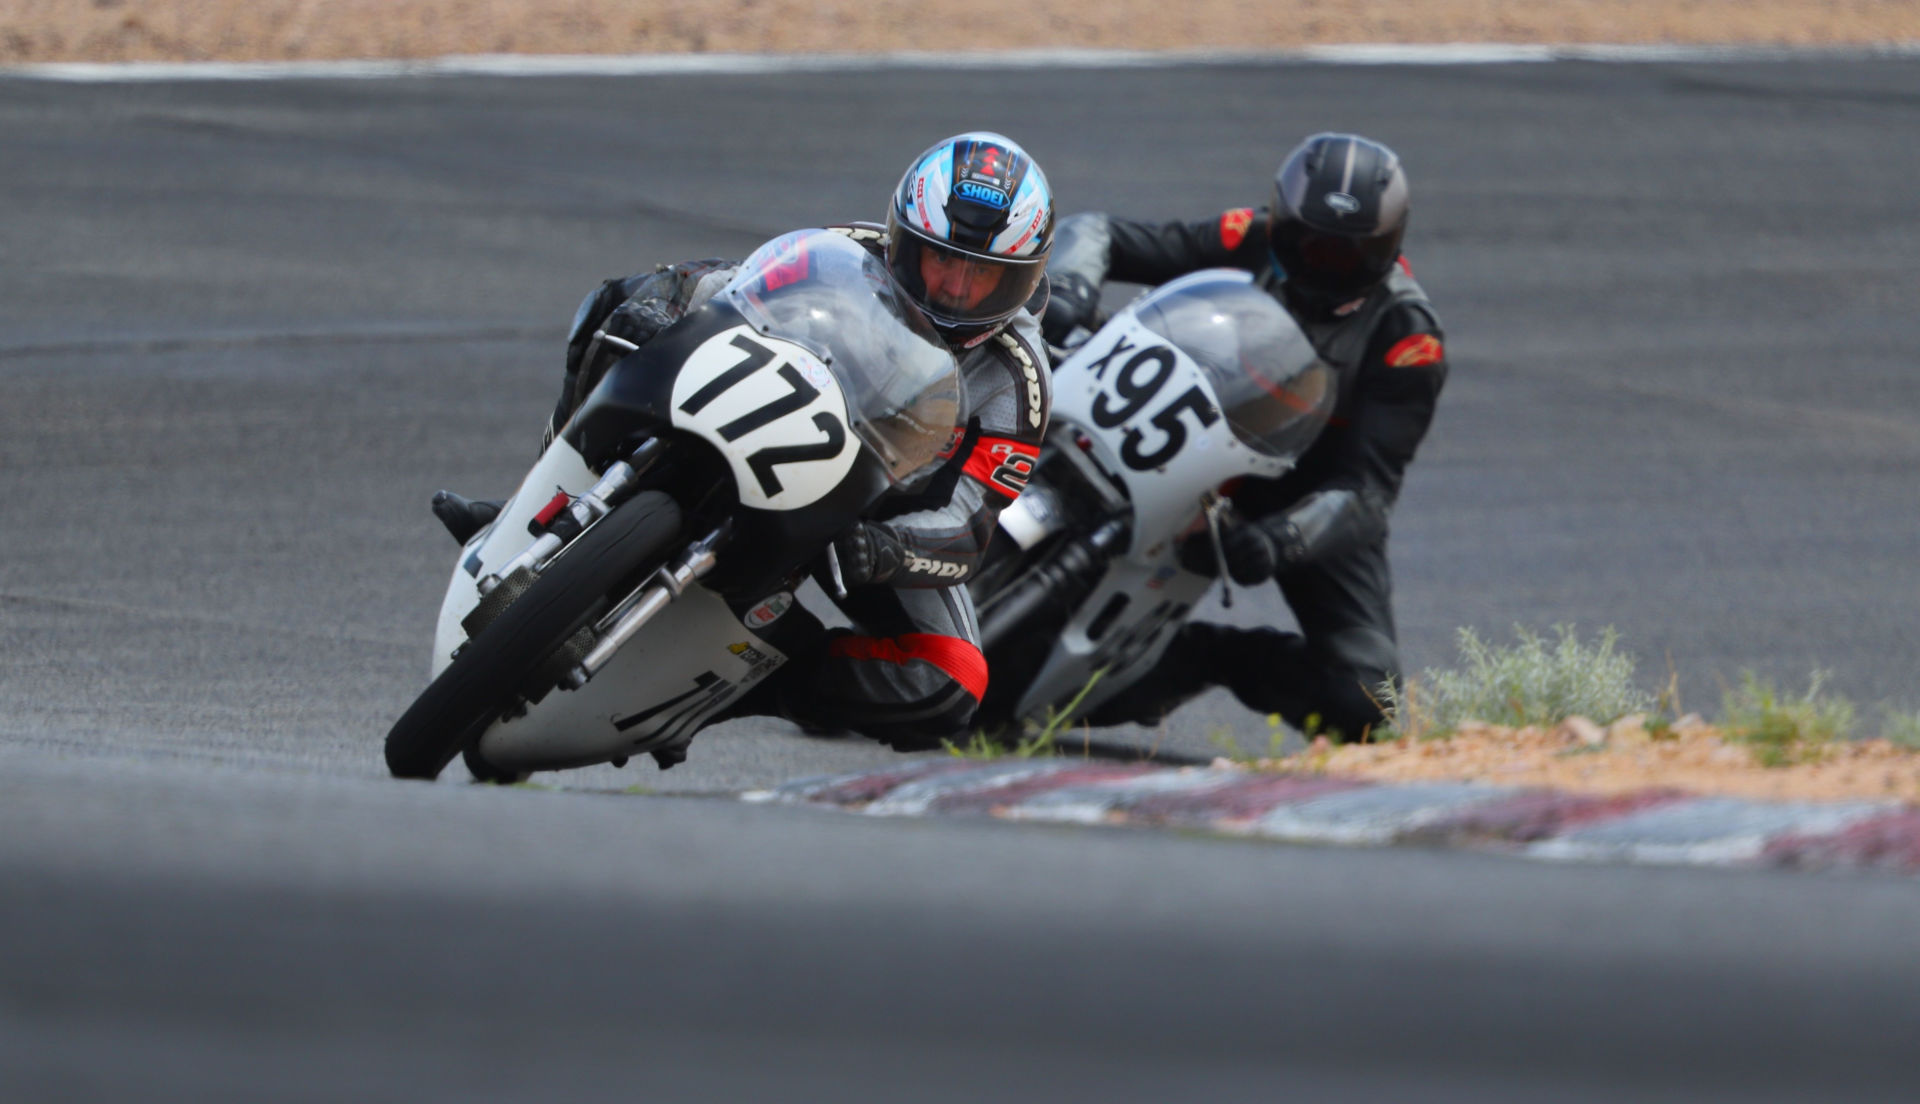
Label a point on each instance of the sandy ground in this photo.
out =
(198, 30)
(1581, 756)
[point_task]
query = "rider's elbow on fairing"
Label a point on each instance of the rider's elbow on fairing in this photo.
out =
(1328, 247)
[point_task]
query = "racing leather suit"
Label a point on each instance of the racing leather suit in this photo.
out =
(1328, 516)
(910, 674)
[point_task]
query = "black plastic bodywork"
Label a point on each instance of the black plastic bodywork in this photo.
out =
(633, 402)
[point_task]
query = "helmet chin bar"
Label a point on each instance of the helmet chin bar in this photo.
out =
(968, 233)
(1020, 278)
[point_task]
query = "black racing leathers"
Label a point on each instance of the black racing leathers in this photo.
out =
(1327, 518)
(910, 673)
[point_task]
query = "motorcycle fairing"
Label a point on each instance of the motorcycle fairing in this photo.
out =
(559, 468)
(788, 450)
(1171, 437)
(695, 659)
(643, 393)
(1124, 626)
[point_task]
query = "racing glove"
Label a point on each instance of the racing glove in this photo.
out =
(632, 323)
(605, 329)
(1073, 303)
(1320, 524)
(870, 552)
(1251, 552)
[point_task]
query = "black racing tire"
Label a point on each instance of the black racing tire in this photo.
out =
(488, 674)
(483, 771)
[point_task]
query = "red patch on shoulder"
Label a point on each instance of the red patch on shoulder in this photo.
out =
(1404, 266)
(1233, 226)
(1415, 351)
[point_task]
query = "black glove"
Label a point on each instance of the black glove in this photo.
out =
(636, 321)
(870, 552)
(605, 315)
(1253, 553)
(1073, 303)
(594, 310)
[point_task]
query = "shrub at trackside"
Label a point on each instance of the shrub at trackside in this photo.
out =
(1784, 730)
(1540, 682)
(1543, 682)
(1534, 682)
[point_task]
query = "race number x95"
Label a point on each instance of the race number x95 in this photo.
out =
(1136, 382)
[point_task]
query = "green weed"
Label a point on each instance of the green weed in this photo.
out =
(1227, 740)
(1533, 682)
(1036, 742)
(1901, 729)
(1784, 730)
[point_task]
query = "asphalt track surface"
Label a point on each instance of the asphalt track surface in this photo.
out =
(246, 329)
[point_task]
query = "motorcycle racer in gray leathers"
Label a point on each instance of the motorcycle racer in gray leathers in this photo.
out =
(967, 237)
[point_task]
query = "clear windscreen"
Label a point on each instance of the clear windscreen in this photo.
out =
(1272, 386)
(822, 290)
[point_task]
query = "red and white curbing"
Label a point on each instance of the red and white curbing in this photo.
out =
(1646, 826)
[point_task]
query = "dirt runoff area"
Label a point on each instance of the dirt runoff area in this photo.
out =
(1631, 754)
(270, 30)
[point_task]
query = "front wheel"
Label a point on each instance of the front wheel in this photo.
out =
(488, 675)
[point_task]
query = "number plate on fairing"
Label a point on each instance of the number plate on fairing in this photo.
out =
(774, 410)
(1155, 421)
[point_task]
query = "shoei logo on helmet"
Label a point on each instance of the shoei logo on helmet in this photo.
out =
(983, 195)
(1342, 203)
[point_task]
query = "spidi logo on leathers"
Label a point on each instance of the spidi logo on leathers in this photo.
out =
(920, 565)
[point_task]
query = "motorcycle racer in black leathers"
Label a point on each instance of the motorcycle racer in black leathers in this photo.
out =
(967, 237)
(1328, 247)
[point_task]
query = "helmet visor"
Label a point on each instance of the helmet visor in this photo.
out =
(958, 288)
(1336, 263)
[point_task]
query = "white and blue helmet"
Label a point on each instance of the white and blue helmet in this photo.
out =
(968, 233)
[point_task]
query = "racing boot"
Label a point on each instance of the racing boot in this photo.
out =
(463, 516)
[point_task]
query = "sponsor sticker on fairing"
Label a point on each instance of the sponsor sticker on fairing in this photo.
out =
(768, 611)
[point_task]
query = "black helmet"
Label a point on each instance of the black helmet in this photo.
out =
(975, 214)
(1339, 212)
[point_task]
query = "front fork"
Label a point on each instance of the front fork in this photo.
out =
(563, 521)
(631, 613)
(569, 519)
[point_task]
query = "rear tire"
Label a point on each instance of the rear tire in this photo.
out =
(492, 671)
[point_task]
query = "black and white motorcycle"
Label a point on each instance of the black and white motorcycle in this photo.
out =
(1199, 382)
(633, 586)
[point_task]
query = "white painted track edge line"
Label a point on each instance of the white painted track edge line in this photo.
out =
(533, 65)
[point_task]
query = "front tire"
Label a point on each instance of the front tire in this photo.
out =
(489, 673)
